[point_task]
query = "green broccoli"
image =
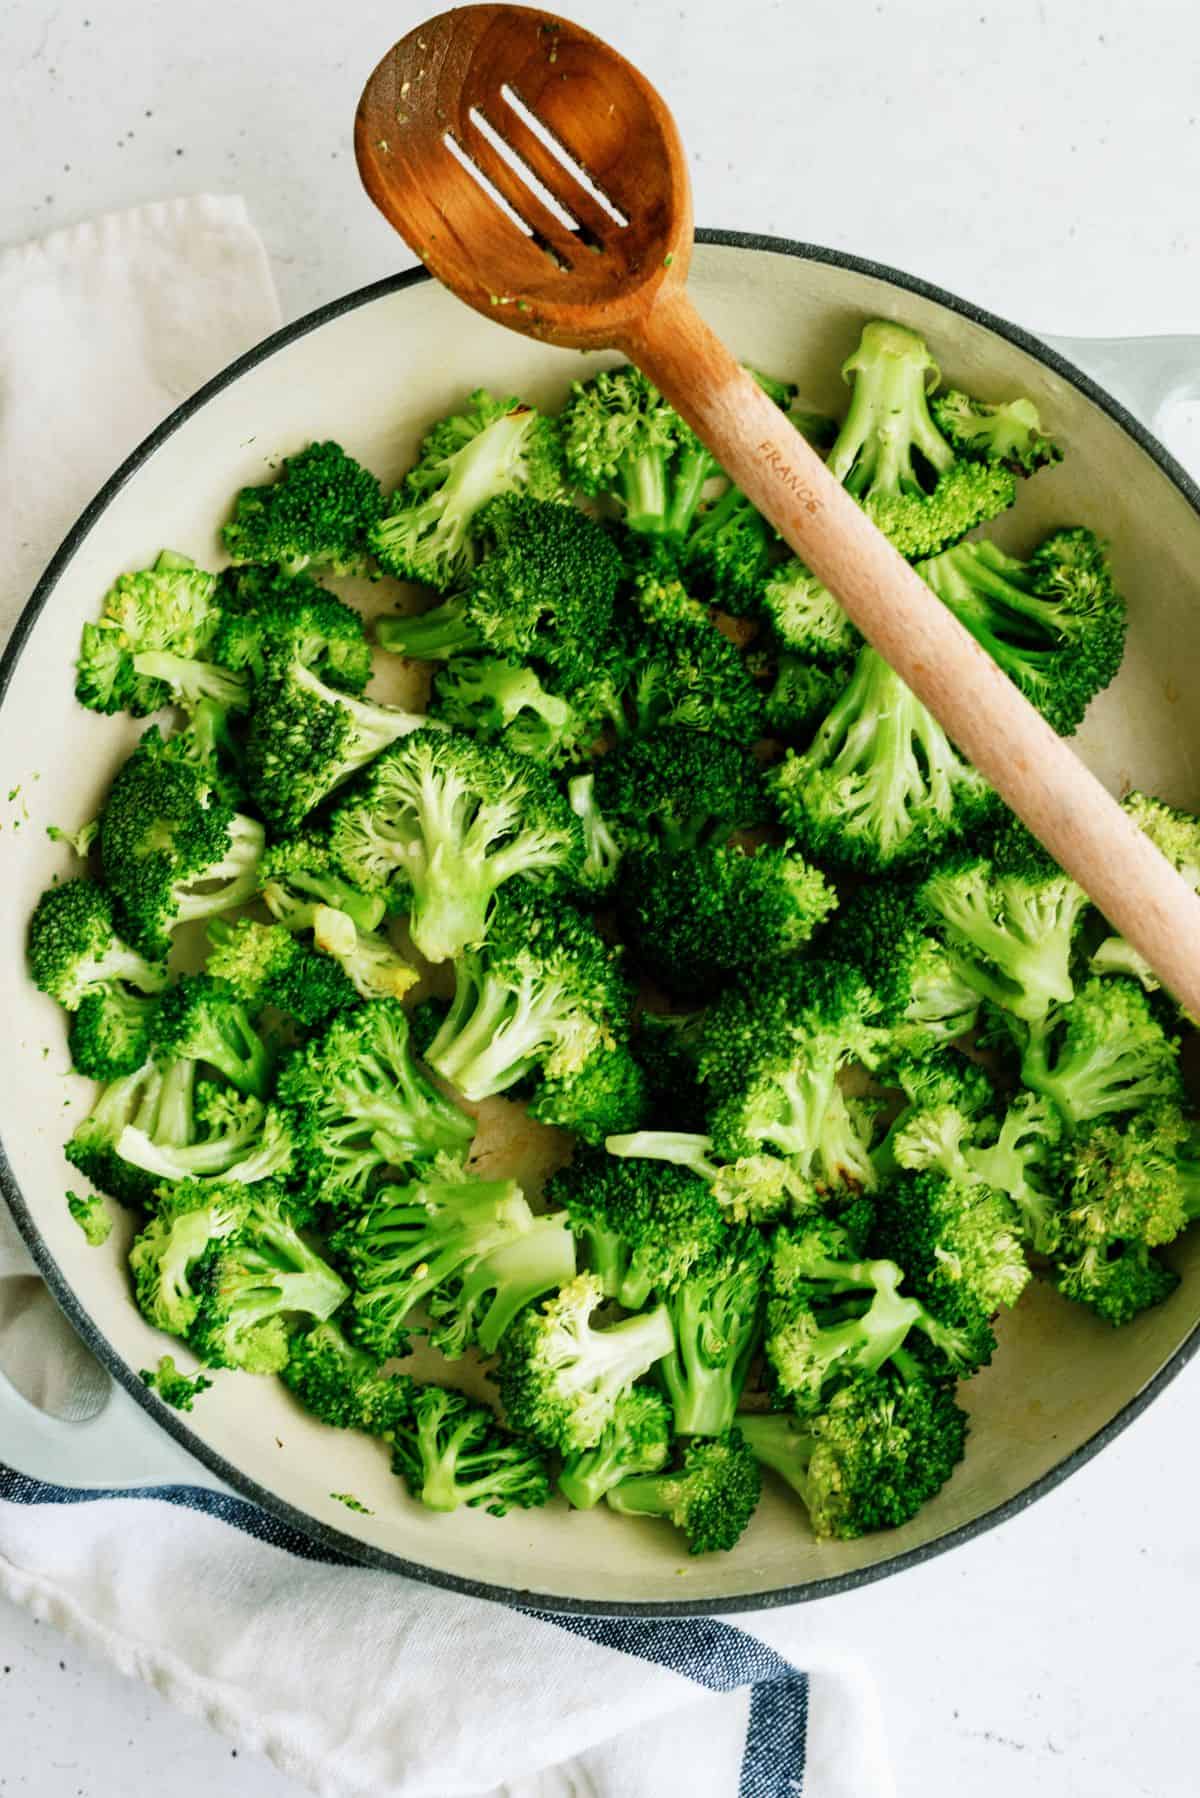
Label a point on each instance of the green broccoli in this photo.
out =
(715, 1308)
(1054, 623)
(924, 1000)
(607, 1092)
(807, 619)
(754, 1189)
(307, 738)
(1007, 431)
(728, 553)
(451, 1451)
(318, 512)
(621, 438)
(498, 700)
(268, 616)
(299, 877)
(922, 489)
(237, 1140)
(545, 993)
(440, 824)
(801, 695)
(561, 1379)
(173, 849)
(92, 1215)
(636, 1440)
(881, 1448)
(360, 1105)
(881, 783)
(678, 789)
(641, 1225)
(1117, 1280)
(705, 913)
(74, 950)
(202, 1019)
(710, 1497)
(954, 1238)
(477, 1305)
(682, 671)
(170, 609)
(173, 1387)
(264, 964)
(601, 851)
(342, 1385)
(1103, 1053)
(1177, 835)
(667, 1048)
(156, 1102)
(544, 586)
(496, 447)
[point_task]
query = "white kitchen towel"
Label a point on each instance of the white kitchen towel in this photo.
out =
(359, 1683)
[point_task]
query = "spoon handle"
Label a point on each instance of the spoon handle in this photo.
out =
(1036, 773)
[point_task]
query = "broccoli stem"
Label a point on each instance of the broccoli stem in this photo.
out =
(432, 636)
(782, 1444)
(192, 681)
(230, 882)
(644, 492)
(704, 1393)
(676, 1146)
(694, 467)
(539, 1261)
(492, 1038)
(1116, 956)
(166, 1111)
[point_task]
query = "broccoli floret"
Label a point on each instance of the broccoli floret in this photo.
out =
(75, 952)
(170, 609)
(307, 738)
(807, 619)
(667, 1048)
(188, 1222)
(174, 1388)
(79, 841)
(561, 1379)
(1177, 835)
(267, 616)
(173, 849)
(110, 1033)
(440, 824)
(1104, 1052)
(802, 694)
(1054, 623)
(202, 1019)
(953, 1238)
(264, 964)
(728, 553)
(678, 789)
(342, 1384)
(705, 913)
(754, 1189)
(881, 782)
(299, 877)
(636, 1440)
(92, 1215)
(882, 1447)
(716, 1314)
(1117, 1280)
(413, 1239)
(317, 513)
(360, 1105)
(642, 1225)
(544, 586)
(1008, 431)
(602, 853)
(918, 488)
(1009, 916)
(711, 1497)
(545, 993)
(453, 1452)
(497, 447)
(678, 672)
(477, 1305)
(156, 1103)
(1136, 1182)
(773, 1046)
(823, 1329)
(621, 438)
(606, 1093)
(241, 1141)
(498, 700)
(923, 999)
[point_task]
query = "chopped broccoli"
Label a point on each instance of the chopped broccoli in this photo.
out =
(602, 853)
(621, 438)
(451, 1451)
(807, 619)
(241, 1141)
(1008, 431)
(203, 1019)
(754, 1189)
(545, 993)
(429, 531)
(697, 916)
(361, 1106)
(710, 1497)
(318, 512)
(75, 952)
(1053, 623)
(440, 824)
(499, 700)
(802, 694)
(1177, 835)
(92, 1215)
(343, 1386)
(606, 1092)
(681, 671)
(728, 552)
(880, 1449)
(920, 489)
(715, 1308)
(373, 967)
(268, 616)
(1103, 1053)
(636, 1440)
(156, 1101)
(174, 1388)
(169, 609)
(924, 1000)
(173, 849)
(307, 738)
(1136, 1182)
(544, 586)
(299, 877)
(678, 789)
(881, 782)
(1117, 1280)
(641, 1225)
(953, 1237)
(477, 1304)
(561, 1379)
(79, 841)
(264, 964)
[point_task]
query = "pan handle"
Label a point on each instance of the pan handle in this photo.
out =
(120, 1446)
(1147, 374)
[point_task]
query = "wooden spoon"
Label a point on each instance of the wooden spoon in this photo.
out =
(540, 177)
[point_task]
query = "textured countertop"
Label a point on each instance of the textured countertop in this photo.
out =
(1039, 156)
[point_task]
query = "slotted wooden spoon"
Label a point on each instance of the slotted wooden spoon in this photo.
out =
(539, 176)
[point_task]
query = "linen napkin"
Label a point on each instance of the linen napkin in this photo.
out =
(358, 1683)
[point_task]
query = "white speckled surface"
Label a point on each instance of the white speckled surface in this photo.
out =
(1040, 156)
